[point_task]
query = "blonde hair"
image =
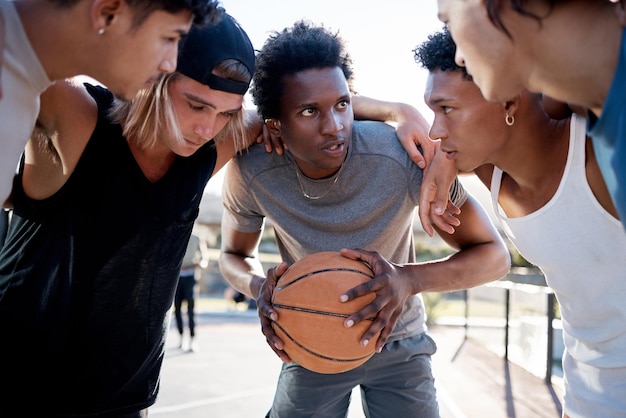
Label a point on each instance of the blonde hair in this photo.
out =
(151, 114)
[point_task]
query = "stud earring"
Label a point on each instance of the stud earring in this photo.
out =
(100, 31)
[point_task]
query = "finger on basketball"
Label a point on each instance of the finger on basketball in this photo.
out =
(366, 313)
(372, 334)
(357, 254)
(358, 291)
(311, 323)
(270, 335)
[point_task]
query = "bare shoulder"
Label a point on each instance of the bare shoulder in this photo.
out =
(68, 116)
(66, 121)
(64, 103)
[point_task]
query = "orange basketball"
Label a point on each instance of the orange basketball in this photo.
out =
(311, 317)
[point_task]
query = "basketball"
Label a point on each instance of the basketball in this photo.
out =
(310, 315)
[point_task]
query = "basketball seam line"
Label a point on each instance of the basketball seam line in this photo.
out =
(322, 271)
(308, 350)
(314, 311)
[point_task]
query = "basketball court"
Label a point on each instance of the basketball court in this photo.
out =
(234, 375)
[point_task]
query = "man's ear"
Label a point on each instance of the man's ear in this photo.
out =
(511, 106)
(104, 13)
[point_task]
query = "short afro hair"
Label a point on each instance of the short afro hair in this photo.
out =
(437, 53)
(298, 48)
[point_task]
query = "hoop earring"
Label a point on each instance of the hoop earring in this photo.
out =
(510, 120)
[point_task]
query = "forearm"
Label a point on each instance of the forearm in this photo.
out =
(244, 274)
(473, 266)
(366, 108)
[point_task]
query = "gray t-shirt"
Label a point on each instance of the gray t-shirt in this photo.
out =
(370, 206)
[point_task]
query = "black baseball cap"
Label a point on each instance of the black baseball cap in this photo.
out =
(206, 46)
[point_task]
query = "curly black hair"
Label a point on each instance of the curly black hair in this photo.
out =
(437, 53)
(295, 49)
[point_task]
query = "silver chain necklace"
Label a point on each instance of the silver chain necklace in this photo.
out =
(308, 196)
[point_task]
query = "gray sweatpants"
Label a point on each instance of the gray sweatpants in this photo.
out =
(396, 382)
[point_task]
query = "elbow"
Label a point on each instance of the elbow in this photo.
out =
(501, 261)
(505, 264)
(225, 266)
(495, 261)
(221, 259)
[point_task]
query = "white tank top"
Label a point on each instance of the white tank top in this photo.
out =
(581, 249)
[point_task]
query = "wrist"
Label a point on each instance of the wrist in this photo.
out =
(255, 286)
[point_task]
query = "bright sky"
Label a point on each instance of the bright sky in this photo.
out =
(380, 37)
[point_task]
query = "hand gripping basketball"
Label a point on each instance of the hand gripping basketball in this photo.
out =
(311, 317)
